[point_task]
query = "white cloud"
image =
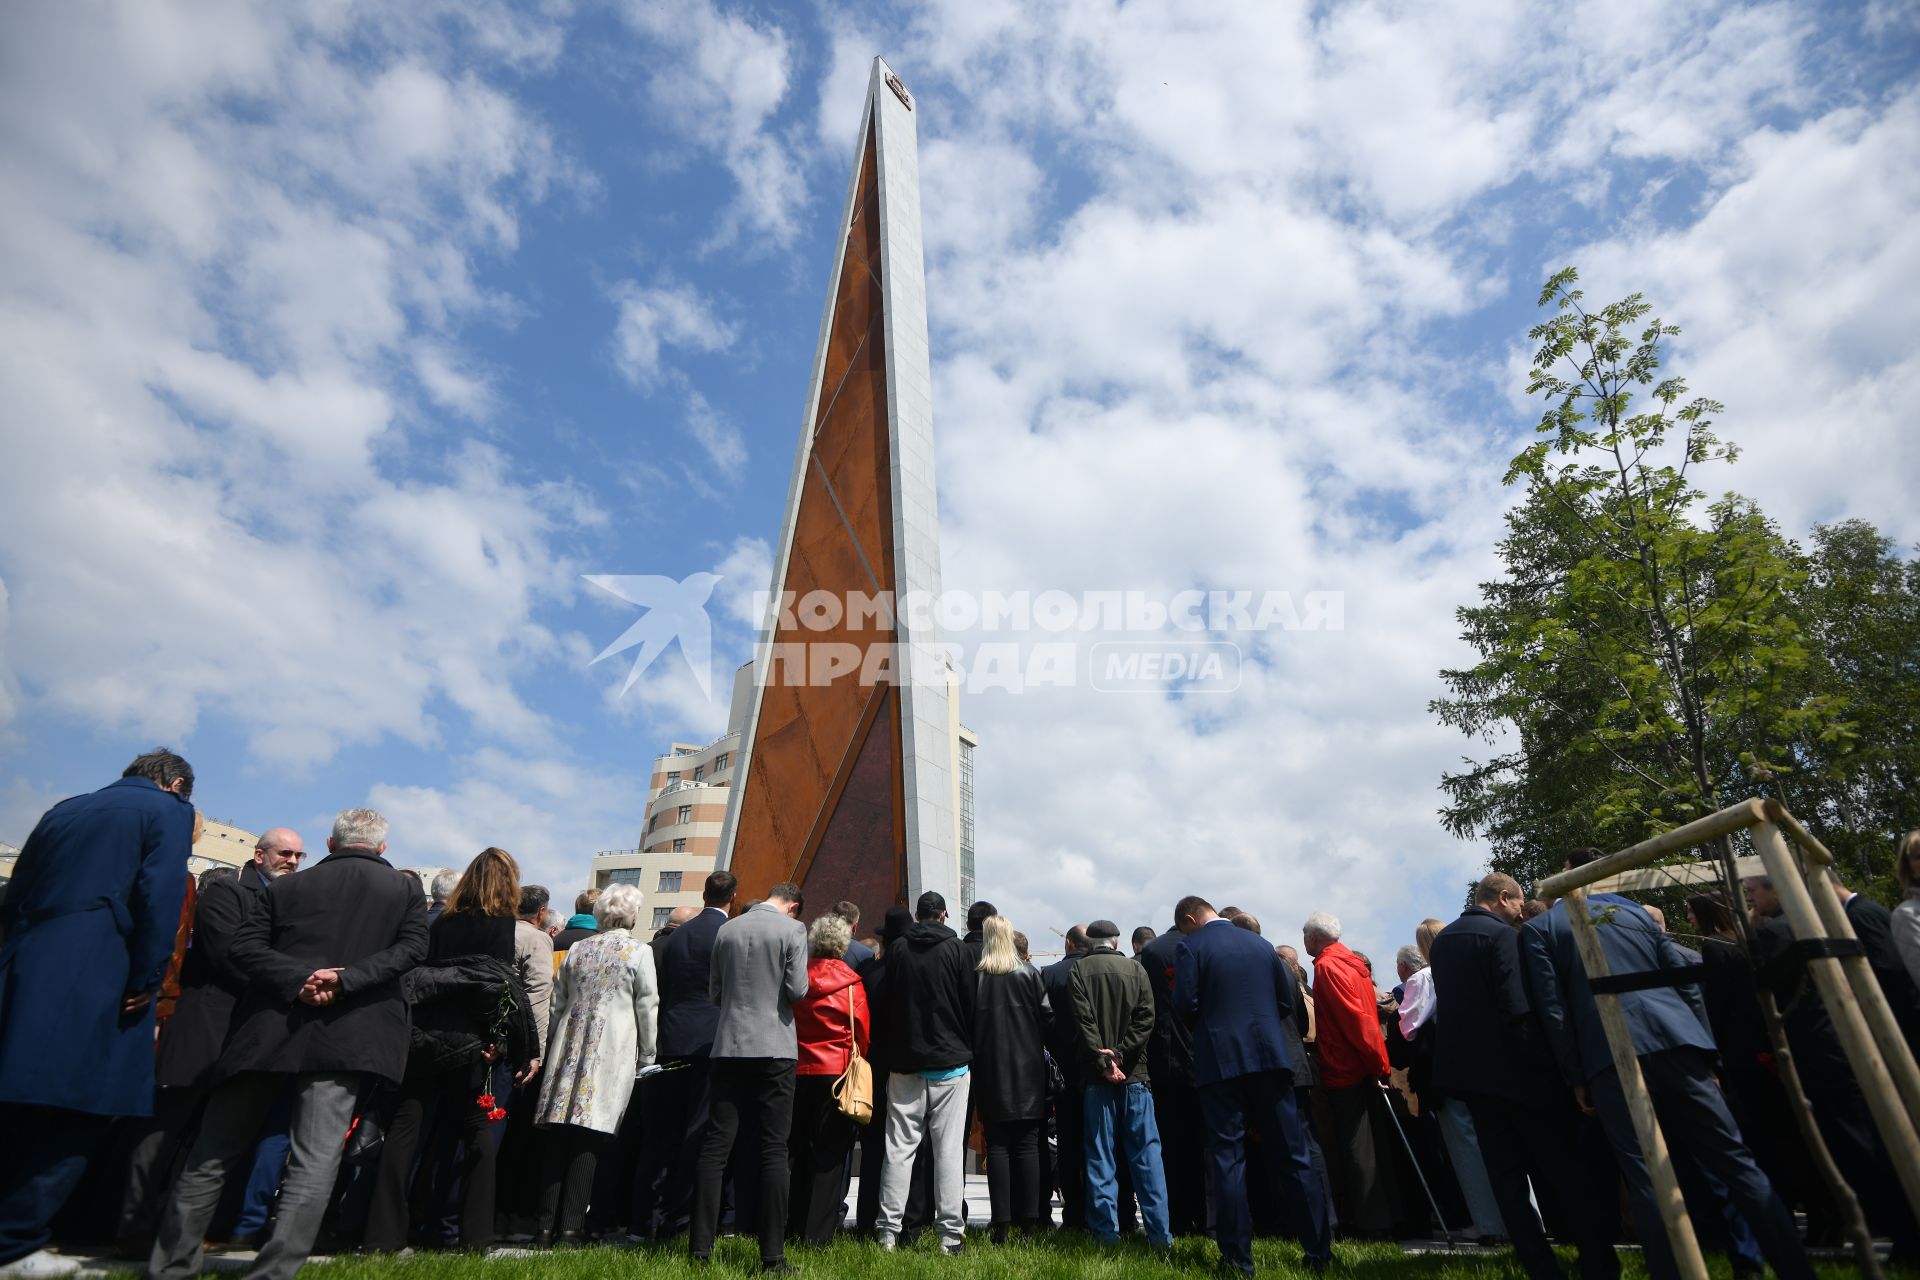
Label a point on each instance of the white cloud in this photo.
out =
(715, 434)
(720, 76)
(658, 316)
(550, 813)
(1794, 289)
(214, 313)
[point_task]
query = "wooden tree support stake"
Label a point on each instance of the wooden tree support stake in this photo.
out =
(1646, 1126)
(1837, 993)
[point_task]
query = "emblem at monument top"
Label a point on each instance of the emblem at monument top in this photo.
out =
(847, 782)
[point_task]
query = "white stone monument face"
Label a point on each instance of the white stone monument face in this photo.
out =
(845, 783)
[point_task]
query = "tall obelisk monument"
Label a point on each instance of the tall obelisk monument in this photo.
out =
(846, 781)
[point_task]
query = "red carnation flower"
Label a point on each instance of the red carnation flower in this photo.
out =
(498, 1113)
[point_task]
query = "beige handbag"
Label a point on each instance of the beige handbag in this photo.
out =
(853, 1091)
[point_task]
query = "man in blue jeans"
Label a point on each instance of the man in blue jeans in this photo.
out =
(1113, 1014)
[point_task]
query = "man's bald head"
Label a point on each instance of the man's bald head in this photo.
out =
(278, 851)
(681, 915)
(1500, 894)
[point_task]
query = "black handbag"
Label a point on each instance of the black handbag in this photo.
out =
(1056, 1082)
(366, 1136)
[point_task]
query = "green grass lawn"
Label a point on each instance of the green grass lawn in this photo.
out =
(1060, 1256)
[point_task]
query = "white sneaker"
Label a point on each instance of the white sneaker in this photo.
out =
(885, 1240)
(42, 1263)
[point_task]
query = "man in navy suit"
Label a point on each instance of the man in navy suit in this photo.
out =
(1237, 993)
(676, 1120)
(1676, 1052)
(1488, 1051)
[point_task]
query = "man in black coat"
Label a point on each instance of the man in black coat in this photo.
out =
(1070, 1124)
(1176, 1102)
(1489, 1052)
(191, 1040)
(928, 1001)
(1873, 925)
(323, 955)
(677, 1103)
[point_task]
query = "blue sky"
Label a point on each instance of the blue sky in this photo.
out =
(341, 342)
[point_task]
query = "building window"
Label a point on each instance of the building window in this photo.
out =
(686, 813)
(669, 882)
(660, 917)
(966, 824)
(720, 762)
(673, 777)
(698, 771)
(653, 823)
(679, 846)
(626, 875)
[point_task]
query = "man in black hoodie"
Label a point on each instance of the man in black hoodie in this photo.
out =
(927, 1002)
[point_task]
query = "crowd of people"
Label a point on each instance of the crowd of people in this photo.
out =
(348, 1059)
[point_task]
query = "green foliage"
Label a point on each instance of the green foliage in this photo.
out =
(1643, 657)
(1859, 604)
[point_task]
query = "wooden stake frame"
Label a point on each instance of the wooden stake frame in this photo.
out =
(1861, 1017)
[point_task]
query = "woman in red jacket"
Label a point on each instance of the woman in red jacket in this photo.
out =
(827, 1021)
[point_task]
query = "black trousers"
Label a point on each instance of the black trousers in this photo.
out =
(817, 1154)
(1013, 1170)
(448, 1097)
(569, 1155)
(674, 1107)
(1176, 1107)
(1353, 1157)
(1070, 1167)
(1694, 1118)
(156, 1159)
(1517, 1142)
(763, 1089)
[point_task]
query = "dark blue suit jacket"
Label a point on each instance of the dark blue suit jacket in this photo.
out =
(688, 1015)
(859, 956)
(1662, 1018)
(1485, 1040)
(1237, 993)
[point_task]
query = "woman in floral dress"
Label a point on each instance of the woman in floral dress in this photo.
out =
(605, 1006)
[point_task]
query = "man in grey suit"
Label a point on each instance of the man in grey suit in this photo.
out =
(759, 970)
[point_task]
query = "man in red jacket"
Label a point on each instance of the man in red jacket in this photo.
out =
(1353, 1060)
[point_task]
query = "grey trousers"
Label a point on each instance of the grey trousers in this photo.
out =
(916, 1105)
(322, 1109)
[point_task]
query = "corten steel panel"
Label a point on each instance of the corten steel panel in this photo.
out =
(817, 748)
(856, 858)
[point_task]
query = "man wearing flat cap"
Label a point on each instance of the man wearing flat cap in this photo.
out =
(1113, 1011)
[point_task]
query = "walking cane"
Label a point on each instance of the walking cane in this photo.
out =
(1441, 1218)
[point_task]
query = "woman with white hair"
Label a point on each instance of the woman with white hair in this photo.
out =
(605, 1005)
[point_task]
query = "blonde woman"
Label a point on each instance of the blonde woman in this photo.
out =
(1010, 1075)
(606, 1004)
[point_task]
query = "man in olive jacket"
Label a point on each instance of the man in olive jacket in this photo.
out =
(323, 955)
(1113, 1012)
